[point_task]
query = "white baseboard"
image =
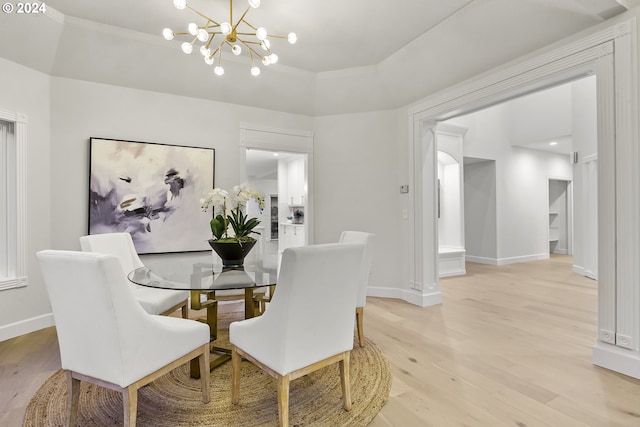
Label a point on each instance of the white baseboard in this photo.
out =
(578, 269)
(453, 273)
(505, 261)
(524, 258)
(616, 359)
(481, 260)
(410, 296)
(22, 327)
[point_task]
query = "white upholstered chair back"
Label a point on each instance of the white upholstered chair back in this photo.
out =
(308, 324)
(311, 314)
(106, 337)
(118, 244)
(367, 240)
(103, 332)
(154, 301)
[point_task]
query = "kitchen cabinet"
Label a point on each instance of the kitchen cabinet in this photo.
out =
(296, 182)
(290, 236)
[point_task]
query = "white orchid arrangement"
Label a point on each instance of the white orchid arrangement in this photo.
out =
(228, 211)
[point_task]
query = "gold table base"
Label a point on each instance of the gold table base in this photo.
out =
(211, 319)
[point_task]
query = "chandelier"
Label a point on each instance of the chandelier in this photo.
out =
(236, 36)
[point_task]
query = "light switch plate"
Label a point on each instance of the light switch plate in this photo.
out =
(404, 188)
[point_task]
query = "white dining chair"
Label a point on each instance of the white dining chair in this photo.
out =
(154, 301)
(112, 341)
(309, 322)
(367, 240)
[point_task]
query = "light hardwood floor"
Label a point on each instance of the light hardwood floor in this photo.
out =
(509, 346)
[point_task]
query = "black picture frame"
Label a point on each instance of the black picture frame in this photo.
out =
(152, 191)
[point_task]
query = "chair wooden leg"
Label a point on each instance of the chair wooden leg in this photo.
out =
(344, 380)
(130, 403)
(73, 391)
(283, 400)
(235, 375)
(203, 361)
(360, 323)
(185, 310)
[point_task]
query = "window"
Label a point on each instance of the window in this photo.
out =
(12, 200)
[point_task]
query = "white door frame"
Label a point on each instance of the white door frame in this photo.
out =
(260, 137)
(611, 53)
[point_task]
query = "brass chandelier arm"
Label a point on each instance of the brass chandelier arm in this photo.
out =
(212, 54)
(247, 43)
(254, 28)
(241, 19)
(251, 49)
(208, 45)
(202, 15)
(207, 26)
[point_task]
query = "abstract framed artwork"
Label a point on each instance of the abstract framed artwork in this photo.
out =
(151, 191)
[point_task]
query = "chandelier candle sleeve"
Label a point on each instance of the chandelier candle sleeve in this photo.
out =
(235, 35)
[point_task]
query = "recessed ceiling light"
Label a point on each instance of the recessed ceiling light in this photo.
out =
(275, 154)
(553, 143)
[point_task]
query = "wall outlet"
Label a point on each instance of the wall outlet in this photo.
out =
(404, 189)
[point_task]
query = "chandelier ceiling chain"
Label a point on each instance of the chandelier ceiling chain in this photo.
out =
(233, 35)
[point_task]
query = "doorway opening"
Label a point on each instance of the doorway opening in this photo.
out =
(281, 176)
(519, 170)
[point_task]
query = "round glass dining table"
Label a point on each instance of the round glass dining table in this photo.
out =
(205, 280)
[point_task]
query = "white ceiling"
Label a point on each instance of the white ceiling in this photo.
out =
(351, 56)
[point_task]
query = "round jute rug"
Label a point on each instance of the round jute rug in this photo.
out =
(175, 399)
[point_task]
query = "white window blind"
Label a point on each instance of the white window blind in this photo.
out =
(5, 181)
(13, 130)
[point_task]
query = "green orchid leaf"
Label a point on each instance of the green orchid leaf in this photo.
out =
(218, 226)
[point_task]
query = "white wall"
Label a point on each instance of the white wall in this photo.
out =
(480, 210)
(585, 143)
(27, 91)
(80, 110)
(540, 116)
(356, 186)
(63, 114)
(355, 162)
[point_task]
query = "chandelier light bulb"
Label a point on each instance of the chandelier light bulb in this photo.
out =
(292, 38)
(261, 33)
(254, 3)
(218, 70)
(205, 51)
(208, 60)
(265, 44)
(187, 47)
(255, 71)
(225, 28)
(180, 4)
(266, 60)
(273, 58)
(203, 36)
(167, 33)
(193, 28)
(236, 49)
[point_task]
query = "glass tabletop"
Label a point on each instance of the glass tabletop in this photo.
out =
(205, 277)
